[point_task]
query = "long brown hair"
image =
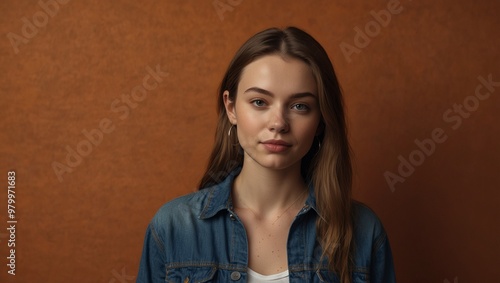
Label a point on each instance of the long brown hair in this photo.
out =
(328, 166)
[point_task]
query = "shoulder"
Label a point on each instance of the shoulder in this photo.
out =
(372, 251)
(190, 210)
(367, 225)
(364, 216)
(189, 205)
(371, 243)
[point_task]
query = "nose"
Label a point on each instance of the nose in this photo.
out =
(278, 122)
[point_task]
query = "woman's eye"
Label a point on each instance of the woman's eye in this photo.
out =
(258, 103)
(300, 107)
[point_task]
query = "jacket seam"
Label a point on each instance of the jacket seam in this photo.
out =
(379, 242)
(156, 238)
(209, 201)
(234, 267)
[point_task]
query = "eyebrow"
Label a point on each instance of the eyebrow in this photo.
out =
(266, 92)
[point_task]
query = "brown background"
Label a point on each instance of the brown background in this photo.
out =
(443, 221)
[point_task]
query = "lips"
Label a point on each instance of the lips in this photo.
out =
(276, 146)
(276, 142)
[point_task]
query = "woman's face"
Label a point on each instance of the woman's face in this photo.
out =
(276, 111)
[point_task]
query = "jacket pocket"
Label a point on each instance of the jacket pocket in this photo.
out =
(191, 274)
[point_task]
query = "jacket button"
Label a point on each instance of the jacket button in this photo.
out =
(231, 216)
(235, 275)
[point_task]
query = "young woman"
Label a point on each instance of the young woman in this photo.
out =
(275, 202)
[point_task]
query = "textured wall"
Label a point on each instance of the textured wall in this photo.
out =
(130, 87)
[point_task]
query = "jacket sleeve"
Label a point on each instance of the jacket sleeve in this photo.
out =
(152, 265)
(382, 265)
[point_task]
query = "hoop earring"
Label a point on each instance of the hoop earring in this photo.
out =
(229, 132)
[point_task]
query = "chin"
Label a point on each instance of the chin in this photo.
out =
(277, 163)
(274, 161)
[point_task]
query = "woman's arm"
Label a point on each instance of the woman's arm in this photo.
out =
(382, 265)
(152, 265)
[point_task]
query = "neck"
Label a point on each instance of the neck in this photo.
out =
(268, 191)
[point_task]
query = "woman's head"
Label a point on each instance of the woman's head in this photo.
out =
(289, 43)
(275, 112)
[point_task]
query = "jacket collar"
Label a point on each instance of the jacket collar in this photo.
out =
(219, 197)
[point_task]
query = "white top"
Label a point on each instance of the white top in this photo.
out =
(254, 277)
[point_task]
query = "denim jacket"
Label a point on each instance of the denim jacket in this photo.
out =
(199, 238)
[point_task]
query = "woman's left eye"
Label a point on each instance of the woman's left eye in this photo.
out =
(300, 107)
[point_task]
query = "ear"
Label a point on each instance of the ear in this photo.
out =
(230, 107)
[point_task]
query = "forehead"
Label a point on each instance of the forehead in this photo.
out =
(278, 75)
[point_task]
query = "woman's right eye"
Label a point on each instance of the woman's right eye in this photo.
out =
(258, 103)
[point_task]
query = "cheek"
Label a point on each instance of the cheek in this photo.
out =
(247, 124)
(308, 129)
(246, 113)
